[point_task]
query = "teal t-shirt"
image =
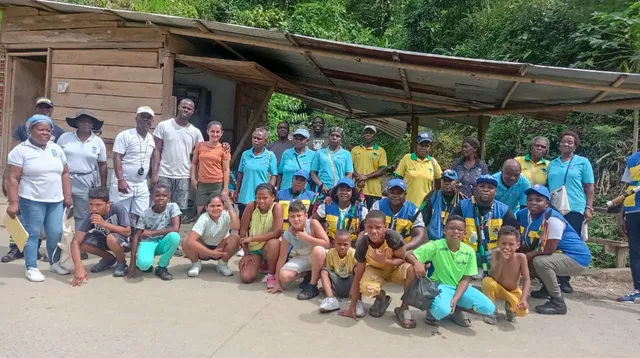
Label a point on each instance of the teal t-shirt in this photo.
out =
(449, 267)
(580, 173)
(255, 170)
(342, 162)
(289, 165)
(514, 196)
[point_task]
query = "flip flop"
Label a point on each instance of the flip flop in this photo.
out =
(458, 317)
(430, 320)
(379, 307)
(404, 318)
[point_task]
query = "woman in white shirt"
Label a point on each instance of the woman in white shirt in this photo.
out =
(39, 187)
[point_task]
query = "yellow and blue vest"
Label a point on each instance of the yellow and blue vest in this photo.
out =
(440, 211)
(285, 197)
(494, 217)
(400, 222)
(350, 222)
(632, 203)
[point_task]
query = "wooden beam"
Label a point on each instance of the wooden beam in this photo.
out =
(28, 54)
(311, 61)
(40, 5)
(48, 79)
(415, 126)
(635, 131)
(407, 66)
(82, 36)
(84, 46)
(405, 85)
(255, 117)
(523, 71)
(168, 111)
(483, 125)
(203, 28)
(615, 84)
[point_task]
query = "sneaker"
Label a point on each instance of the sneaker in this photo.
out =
(223, 269)
(271, 281)
(511, 317)
(630, 297)
(555, 305)
(103, 264)
(264, 268)
(121, 270)
(149, 270)
(163, 273)
(57, 268)
(308, 292)
(565, 286)
(305, 280)
(360, 309)
(194, 271)
(84, 256)
(240, 252)
(34, 275)
(541, 294)
(329, 304)
(12, 255)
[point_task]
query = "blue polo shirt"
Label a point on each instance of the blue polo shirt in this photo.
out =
(514, 196)
(580, 173)
(289, 165)
(255, 170)
(322, 164)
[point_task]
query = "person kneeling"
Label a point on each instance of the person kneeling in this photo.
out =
(303, 235)
(210, 238)
(507, 268)
(454, 264)
(106, 229)
(156, 234)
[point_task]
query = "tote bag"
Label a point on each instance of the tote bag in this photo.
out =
(560, 197)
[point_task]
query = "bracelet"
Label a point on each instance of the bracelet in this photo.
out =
(590, 208)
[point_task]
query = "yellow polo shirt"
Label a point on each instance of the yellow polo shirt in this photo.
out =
(536, 173)
(419, 175)
(367, 161)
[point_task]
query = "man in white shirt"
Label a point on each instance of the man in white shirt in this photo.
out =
(175, 140)
(132, 150)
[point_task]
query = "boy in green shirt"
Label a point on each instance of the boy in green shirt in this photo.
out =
(454, 264)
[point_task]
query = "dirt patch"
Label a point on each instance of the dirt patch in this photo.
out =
(591, 287)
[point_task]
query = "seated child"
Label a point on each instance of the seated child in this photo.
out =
(156, 235)
(380, 256)
(213, 236)
(454, 265)
(507, 267)
(106, 229)
(303, 235)
(260, 231)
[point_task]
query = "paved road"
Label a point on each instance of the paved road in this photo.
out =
(213, 316)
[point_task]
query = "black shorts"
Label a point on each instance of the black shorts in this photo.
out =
(99, 240)
(340, 286)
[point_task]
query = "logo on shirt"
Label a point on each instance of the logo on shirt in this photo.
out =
(54, 152)
(94, 149)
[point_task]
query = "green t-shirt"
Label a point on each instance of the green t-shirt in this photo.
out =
(448, 266)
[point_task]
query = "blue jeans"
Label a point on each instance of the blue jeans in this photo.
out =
(633, 233)
(38, 214)
(472, 298)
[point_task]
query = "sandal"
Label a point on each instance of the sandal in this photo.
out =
(492, 319)
(430, 320)
(379, 307)
(458, 317)
(404, 318)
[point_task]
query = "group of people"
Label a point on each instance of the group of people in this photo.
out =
(309, 208)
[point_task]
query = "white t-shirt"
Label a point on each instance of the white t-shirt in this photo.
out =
(212, 233)
(136, 153)
(41, 171)
(556, 228)
(82, 157)
(177, 145)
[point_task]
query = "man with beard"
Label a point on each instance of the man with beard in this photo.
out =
(319, 139)
(283, 142)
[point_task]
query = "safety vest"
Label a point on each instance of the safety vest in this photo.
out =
(632, 202)
(401, 221)
(285, 197)
(439, 214)
(350, 222)
(492, 222)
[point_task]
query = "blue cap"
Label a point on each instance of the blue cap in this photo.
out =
(488, 179)
(450, 174)
(397, 183)
(540, 190)
(39, 118)
(425, 137)
(301, 173)
(346, 181)
(303, 132)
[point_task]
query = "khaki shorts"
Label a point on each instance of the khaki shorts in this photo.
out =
(373, 278)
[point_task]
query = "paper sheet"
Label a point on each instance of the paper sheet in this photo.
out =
(17, 231)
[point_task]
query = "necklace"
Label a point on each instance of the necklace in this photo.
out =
(141, 170)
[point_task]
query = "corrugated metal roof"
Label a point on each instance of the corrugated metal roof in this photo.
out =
(373, 81)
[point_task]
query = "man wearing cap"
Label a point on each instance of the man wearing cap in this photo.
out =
(86, 157)
(175, 140)
(512, 185)
(294, 159)
(369, 164)
(402, 215)
(319, 139)
(297, 191)
(283, 142)
(132, 150)
(420, 170)
(439, 204)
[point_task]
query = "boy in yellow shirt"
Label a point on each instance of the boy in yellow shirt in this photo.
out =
(336, 274)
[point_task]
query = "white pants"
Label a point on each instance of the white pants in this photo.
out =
(135, 201)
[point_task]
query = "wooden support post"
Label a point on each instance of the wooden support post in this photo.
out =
(483, 125)
(415, 126)
(47, 80)
(255, 117)
(168, 109)
(635, 131)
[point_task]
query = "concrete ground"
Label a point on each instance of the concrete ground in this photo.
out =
(214, 316)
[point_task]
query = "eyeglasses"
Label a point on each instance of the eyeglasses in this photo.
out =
(455, 229)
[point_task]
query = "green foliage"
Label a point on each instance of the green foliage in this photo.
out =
(599, 258)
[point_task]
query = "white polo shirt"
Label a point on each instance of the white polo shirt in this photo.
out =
(177, 145)
(212, 233)
(41, 171)
(82, 157)
(136, 152)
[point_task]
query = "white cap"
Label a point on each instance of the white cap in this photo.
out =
(372, 127)
(146, 109)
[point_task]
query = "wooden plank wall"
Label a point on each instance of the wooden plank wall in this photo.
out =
(248, 99)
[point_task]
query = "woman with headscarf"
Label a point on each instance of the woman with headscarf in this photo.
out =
(39, 187)
(86, 158)
(469, 167)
